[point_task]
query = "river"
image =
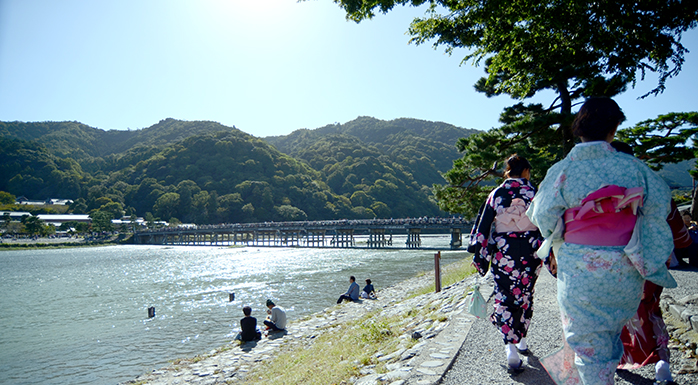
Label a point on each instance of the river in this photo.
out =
(79, 315)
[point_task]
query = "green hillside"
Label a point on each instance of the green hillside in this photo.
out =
(422, 148)
(205, 172)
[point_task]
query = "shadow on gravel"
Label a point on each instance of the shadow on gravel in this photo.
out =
(248, 346)
(275, 335)
(534, 374)
(634, 378)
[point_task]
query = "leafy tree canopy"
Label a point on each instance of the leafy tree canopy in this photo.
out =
(575, 49)
(669, 138)
(101, 221)
(7, 198)
(582, 46)
(33, 224)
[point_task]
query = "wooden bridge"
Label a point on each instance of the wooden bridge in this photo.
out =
(332, 234)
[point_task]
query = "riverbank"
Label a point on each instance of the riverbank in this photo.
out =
(407, 338)
(396, 336)
(56, 242)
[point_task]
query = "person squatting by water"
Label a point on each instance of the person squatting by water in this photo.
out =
(505, 241)
(590, 203)
(276, 321)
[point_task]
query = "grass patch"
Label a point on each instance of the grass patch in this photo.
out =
(345, 348)
(450, 274)
(348, 347)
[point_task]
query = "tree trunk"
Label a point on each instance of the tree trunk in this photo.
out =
(694, 202)
(566, 124)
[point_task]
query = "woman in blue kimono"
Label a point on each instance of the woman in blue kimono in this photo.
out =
(589, 202)
(505, 239)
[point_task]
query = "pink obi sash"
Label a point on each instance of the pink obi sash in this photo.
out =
(606, 217)
(513, 218)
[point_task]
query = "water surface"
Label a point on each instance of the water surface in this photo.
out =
(79, 316)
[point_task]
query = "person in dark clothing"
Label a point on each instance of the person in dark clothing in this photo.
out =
(505, 241)
(249, 326)
(368, 292)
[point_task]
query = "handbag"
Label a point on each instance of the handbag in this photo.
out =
(477, 305)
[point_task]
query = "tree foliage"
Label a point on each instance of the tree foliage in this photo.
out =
(191, 172)
(101, 221)
(575, 49)
(33, 225)
(7, 198)
(669, 138)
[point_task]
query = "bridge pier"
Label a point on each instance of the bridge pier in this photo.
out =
(315, 238)
(413, 239)
(290, 237)
(343, 238)
(376, 238)
(456, 239)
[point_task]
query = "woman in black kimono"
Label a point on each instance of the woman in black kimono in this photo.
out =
(505, 241)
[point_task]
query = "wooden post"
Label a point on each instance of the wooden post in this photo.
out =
(437, 272)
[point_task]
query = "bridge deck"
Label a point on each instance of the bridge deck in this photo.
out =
(334, 234)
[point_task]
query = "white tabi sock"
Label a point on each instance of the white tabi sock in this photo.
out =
(522, 344)
(663, 371)
(512, 355)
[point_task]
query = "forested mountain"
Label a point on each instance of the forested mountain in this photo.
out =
(676, 174)
(28, 168)
(205, 172)
(420, 147)
(74, 138)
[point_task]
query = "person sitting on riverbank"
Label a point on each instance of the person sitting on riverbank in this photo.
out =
(352, 293)
(249, 327)
(276, 321)
(368, 292)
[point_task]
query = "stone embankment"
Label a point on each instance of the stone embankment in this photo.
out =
(423, 363)
(442, 325)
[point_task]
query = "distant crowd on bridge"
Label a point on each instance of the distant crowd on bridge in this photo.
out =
(423, 222)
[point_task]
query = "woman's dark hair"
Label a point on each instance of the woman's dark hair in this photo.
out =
(622, 147)
(597, 118)
(515, 166)
(368, 281)
(246, 310)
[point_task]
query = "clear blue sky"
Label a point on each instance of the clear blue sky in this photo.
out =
(267, 67)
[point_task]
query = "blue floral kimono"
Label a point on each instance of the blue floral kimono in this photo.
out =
(510, 253)
(600, 287)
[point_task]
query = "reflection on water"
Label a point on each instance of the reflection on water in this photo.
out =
(79, 316)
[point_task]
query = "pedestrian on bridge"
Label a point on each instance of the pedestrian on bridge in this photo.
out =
(505, 241)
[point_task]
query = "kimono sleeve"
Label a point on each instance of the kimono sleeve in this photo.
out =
(655, 234)
(479, 236)
(548, 205)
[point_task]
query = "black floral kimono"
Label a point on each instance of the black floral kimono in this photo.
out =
(504, 240)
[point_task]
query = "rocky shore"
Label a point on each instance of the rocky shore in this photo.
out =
(423, 363)
(441, 327)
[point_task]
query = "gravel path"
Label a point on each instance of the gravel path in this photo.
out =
(482, 360)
